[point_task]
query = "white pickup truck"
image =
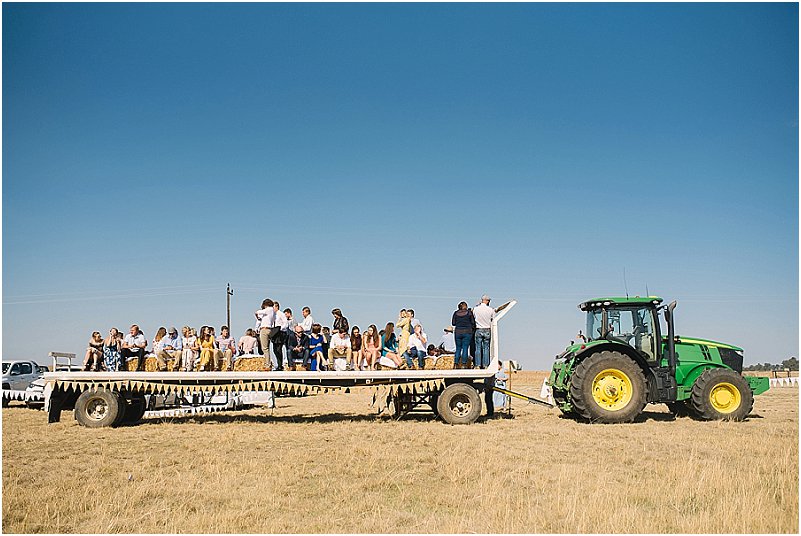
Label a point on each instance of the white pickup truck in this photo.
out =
(18, 375)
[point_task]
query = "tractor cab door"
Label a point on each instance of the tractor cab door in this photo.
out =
(636, 327)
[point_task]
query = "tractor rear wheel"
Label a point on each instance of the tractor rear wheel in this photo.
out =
(608, 387)
(722, 394)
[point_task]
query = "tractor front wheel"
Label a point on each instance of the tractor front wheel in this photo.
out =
(608, 387)
(722, 394)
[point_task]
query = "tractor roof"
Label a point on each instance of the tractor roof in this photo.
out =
(636, 300)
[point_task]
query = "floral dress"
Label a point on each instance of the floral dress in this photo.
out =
(112, 357)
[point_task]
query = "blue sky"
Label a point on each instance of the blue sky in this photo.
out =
(372, 157)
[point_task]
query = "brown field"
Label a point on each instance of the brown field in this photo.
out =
(302, 468)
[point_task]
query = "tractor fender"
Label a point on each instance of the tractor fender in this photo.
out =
(695, 372)
(623, 349)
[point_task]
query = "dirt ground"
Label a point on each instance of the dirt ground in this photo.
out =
(328, 463)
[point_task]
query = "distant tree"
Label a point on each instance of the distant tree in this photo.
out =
(791, 363)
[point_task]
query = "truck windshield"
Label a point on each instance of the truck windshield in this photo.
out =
(5, 367)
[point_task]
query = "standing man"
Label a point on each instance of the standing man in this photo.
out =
(290, 329)
(278, 335)
(226, 350)
(308, 321)
(171, 348)
(133, 345)
(484, 315)
(265, 320)
(413, 322)
(340, 322)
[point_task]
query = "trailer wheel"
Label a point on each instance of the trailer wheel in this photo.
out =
(459, 403)
(433, 400)
(608, 387)
(134, 409)
(95, 409)
(722, 394)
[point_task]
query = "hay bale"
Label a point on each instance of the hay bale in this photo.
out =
(250, 363)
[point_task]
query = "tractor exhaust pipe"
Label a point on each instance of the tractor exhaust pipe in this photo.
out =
(671, 338)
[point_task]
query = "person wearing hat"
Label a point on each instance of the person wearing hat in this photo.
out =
(170, 348)
(484, 315)
(447, 343)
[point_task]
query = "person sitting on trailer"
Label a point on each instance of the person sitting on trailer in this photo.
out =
(206, 342)
(417, 348)
(316, 351)
(171, 347)
(389, 345)
(248, 343)
(297, 346)
(226, 349)
(447, 344)
(94, 353)
(339, 349)
(133, 345)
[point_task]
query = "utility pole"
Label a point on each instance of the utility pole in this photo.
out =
(228, 294)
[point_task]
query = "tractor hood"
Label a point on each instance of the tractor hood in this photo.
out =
(705, 342)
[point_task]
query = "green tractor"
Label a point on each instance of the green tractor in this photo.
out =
(625, 362)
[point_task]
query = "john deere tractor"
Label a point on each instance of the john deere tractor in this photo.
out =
(624, 361)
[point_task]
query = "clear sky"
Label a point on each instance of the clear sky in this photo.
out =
(372, 157)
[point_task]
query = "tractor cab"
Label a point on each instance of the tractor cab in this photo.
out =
(630, 321)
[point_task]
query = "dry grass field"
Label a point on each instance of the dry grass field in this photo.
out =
(303, 468)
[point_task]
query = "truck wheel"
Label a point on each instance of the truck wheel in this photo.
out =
(722, 394)
(95, 409)
(459, 403)
(134, 409)
(608, 387)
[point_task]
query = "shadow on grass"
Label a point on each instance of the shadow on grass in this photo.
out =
(222, 418)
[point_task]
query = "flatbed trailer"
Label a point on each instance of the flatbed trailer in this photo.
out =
(112, 398)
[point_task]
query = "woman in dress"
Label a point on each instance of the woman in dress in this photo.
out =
(160, 334)
(389, 345)
(94, 353)
(356, 347)
(206, 343)
(189, 353)
(404, 321)
(316, 347)
(371, 347)
(112, 348)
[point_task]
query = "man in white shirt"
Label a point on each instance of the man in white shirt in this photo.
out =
(417, 348)
(483, 314)
(340, 347)
(448, 342)
(133, 345)
(307, 321)
(265, 321)
(278, 336)
(413, 322)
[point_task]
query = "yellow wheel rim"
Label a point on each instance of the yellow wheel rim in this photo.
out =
(725, 397)
(612, 389)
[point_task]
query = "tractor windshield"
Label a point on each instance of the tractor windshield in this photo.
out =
(594, 325)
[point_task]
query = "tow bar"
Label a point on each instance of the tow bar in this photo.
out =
(523, 397)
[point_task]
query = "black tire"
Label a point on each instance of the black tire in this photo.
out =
(459, 403)
(681, 409)
(723, 381)
(583, 381)
(5, 402)
(95, 409)
(135, 408)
